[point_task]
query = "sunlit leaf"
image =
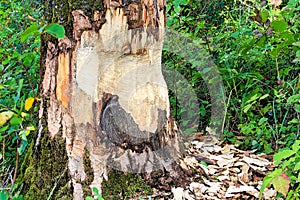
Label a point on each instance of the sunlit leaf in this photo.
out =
(5, 116)
(31, 30)
(283, 154)
(29, 129)
(28, 103)
(296, 146)
(235, 35)
(264, 15)
(266, 182)
(297, 166)
(264, 96)
(275, 51)
(282, 183)
(262, 120)
(247, 107)
(56, 30)
(279, 25)
(294, 121)
(297, 44)
(15, 121)
(95, 191)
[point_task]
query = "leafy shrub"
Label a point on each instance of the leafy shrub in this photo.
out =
(19, 64)
(256, 48)
(287, 174)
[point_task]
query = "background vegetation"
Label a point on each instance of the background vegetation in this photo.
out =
(255, 45)
(19, 69)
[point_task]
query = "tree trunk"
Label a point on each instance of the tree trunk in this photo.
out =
(104, 101)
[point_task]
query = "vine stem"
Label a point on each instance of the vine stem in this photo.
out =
(224, 119)
(16, 168)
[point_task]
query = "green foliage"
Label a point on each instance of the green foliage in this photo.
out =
(10, 193)
(287, 173)
(19, 79)
(6, 196)
(256, 47)
(53, 29)
(96, 195)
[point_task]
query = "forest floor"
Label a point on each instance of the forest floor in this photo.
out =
(221, 171)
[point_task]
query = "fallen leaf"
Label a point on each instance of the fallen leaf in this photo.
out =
(282, 183)
(178, 193)
(232, 190)
(5, 116)
(28, 103)
(244, 175)
(258, 162)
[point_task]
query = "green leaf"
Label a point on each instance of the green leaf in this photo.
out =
(282, 183)
(296, 146)
(262, 120)
(31, 30)
(206, 69)
(275, 51)
(100, 197)
(283, 155)
(3, 195)
(279, 25)
(253, 98)
(264, 15)
(5, 116)
(177, 9)
(294, 99)
(22, 148)
(89, 198)
(95, 191)
(297, 44)
(21, 81)
(4, 128)
(292, 3)
(15, 121)
(266, 182)
(235, 35)
(264, 96)
(294, 121)
(297, 167)
(262, 41)
(247, 107)
(287, 162)
(56, 30)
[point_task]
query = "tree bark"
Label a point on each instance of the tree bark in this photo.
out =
(104, 101)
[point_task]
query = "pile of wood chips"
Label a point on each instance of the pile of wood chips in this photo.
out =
(224, 173)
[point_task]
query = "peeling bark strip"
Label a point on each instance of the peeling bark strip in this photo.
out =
(106, 94)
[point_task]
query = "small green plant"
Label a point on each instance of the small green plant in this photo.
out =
(10, 194)
(53, 29)
(96, 195)
(286, 177)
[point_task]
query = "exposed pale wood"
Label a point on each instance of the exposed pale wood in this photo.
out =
(106, 93)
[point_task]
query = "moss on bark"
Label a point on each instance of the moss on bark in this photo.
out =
(45, 169)
(59, 11)
(89, 174)
(122, 185)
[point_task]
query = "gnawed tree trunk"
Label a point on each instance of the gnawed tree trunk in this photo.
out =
(103, 93)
